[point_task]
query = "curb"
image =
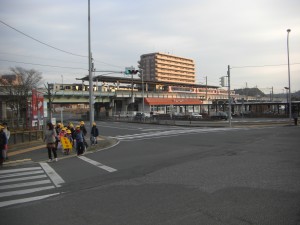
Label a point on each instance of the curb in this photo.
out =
(103, 144)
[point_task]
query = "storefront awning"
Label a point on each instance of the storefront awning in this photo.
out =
(173, 101)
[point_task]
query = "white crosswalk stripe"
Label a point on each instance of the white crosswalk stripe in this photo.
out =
(168, 133)
(26, 184)
(98, 164)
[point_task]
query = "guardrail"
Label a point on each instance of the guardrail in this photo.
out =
(20, 137)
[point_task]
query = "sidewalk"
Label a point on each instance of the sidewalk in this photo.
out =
(36, 151)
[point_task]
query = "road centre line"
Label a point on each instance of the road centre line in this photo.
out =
(24, 200)
(56, 179)
(23, 178)
(25, 191)
(22, 174)
(19, 170)
(26, 184)
(95, 163)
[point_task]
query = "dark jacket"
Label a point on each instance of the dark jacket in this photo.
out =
(83, 129)
(79, 136)
(3, 140)
(94, 131)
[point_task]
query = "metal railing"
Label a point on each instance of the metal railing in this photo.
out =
(19, 137)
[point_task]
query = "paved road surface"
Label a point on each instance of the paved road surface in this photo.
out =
(167, 175)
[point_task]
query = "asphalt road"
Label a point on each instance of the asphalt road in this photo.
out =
(169, 175)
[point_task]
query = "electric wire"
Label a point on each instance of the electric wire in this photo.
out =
(58, 49)
(41, 42)
(37, 64)
(241, 67)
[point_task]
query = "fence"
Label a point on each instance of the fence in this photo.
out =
(20, 137)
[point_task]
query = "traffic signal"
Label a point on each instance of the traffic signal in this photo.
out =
(222, 81)
(130, 70)
(133, 71)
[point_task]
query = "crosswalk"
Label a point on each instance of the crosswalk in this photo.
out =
(27, 184)
(169, 133)
(16, 185)
(32, 183)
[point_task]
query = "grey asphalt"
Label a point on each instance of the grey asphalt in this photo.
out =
(218, 177)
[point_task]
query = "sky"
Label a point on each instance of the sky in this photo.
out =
(251, 36)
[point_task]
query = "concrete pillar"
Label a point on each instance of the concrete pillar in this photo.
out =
(124, 106)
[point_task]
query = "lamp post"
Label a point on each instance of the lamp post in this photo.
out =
(287, 98)
(288, 53)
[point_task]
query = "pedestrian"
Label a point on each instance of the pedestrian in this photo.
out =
(84, 132)
(295, 117)
(7, 133)
(50, 138)
(82, 128)
(79, 141)
(70, 138)
(94, 134)
(61, 134)
(57, 128)
(71, 128)
(3, 143)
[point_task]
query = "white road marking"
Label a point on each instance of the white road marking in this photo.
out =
(26, 184)
(25, 191)
(25, 181)
(95, 163)
(56, 179)
(22, 178)
(23, 200)
(167, 133)
(19, 170)
(22, 174)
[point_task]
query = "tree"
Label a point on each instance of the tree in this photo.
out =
(17, 86)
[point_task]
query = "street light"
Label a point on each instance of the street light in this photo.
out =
(288, 53)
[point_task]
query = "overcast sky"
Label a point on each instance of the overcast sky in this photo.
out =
(214, 33)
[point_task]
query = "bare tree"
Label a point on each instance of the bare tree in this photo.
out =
(17, 86)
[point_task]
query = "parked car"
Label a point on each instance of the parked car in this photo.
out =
(140, 116)
(219, 116)
(195, 115)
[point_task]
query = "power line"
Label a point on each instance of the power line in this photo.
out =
(109, 64)
(41, 42)
(43, 58)
(38, 57)
(239, 67)
(58, 49)
(36, 64)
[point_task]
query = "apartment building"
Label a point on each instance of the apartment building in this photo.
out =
(168, 68)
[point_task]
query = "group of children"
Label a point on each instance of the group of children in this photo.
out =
(67, 138)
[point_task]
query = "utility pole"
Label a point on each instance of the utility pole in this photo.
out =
(206, 88)
(229, 97)
(50, 99)
(91, 97)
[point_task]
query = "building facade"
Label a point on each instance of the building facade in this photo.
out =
(168, 68)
